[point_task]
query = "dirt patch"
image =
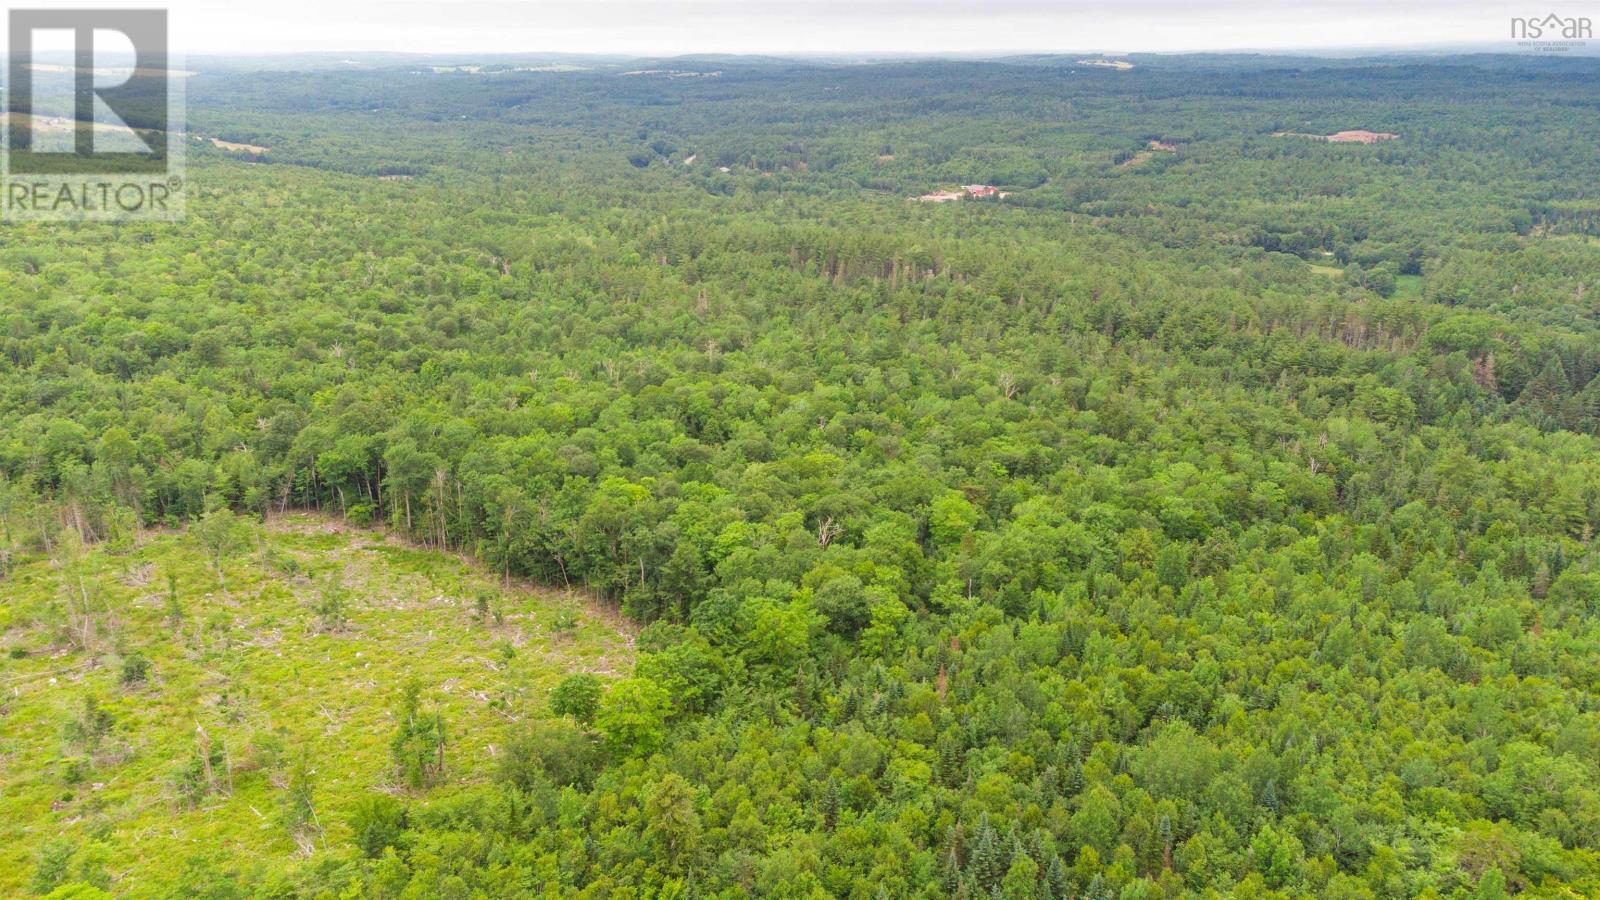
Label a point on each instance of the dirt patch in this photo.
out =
(972, 191)
(1361, 137)
(1343, 137)
(236, 147)
(59, 124)
(671, 73)
(1120, 65)
(1151, 148)
(109, 72)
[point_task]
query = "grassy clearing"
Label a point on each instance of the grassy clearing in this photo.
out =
(1330, 271)
(262, 674)
(1407, 287)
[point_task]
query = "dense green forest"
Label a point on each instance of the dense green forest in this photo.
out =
(1207, 521)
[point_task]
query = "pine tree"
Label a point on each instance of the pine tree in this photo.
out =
(1013, 843)
(802, 692)
(829, 803)
(955, 842)
(987, 862)
(1059, 882)
(949, 760)
(1041, 847)
(1075, 780)
(91, 726)
(1049, 782)
(1587, 405)
(1543, 393)
(298, 810)
(174, 608)
(950, 872)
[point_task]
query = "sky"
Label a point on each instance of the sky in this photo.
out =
(833, 27)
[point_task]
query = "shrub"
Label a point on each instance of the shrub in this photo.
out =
(576, 696)
(553, 752)
(377, 822)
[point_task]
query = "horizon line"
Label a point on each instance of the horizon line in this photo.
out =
(1495, 48)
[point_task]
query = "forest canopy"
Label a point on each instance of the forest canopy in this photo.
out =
(1211, 520)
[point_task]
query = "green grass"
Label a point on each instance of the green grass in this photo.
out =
(1407, 287)
(259, 674)
(1331, 271)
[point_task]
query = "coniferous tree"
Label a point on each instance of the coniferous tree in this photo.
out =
(987, 862)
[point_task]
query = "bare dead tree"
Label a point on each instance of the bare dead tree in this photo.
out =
(827, 530)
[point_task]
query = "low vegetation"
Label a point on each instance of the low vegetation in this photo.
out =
(158, 727)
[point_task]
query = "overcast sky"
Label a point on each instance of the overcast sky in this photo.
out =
(832, 26)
